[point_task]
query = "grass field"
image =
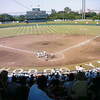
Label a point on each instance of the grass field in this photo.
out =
(45, 29)
(50, 29)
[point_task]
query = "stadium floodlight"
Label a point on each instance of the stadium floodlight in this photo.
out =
(83, 8)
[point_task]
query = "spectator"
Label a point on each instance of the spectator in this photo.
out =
(37, 91)
(3, 85)
(94, 88)
(79, 88)
(56, 90)
(69, 83)
(13, 89)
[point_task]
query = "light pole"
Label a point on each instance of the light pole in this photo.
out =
(83, 9)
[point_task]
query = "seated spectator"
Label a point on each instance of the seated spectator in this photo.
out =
(3, 85)
(56, 90)
(94, 88)
(13, 89)
(79, 88)
(37, 91)
(69, 83)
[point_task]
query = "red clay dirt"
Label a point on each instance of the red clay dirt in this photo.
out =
(50, 43)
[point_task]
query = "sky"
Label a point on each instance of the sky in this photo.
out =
(20, 6)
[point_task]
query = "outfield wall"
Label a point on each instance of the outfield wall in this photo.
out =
(49, 23)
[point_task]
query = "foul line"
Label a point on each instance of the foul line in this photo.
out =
(61, 53)
(77, 45)
(16, 49)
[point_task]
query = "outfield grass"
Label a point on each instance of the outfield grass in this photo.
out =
(50, 29)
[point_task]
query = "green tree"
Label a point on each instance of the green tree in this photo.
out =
(68, 14)
(6, 17)
(67, 10)
(20, 18)
(90, 15)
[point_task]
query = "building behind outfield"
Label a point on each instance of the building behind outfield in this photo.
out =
(36, 15)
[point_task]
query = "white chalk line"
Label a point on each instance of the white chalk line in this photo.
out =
(16, 49)
(61, 53)
(72, 47)
(77, 45)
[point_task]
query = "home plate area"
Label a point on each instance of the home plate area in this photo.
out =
(44, 55)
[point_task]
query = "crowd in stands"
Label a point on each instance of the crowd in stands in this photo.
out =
(55, 86)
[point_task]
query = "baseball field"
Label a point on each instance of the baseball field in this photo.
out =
(71, 44)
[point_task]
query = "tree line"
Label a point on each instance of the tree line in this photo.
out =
(67, 14)
(7, 17)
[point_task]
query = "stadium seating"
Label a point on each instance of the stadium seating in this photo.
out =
(73, 85)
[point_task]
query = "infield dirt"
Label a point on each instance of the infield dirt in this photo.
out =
(19, 51)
